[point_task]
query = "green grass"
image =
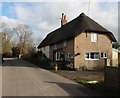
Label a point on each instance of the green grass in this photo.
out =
(100, 86)
(83, 81)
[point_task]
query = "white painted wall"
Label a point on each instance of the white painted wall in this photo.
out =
(45, 50)
(115, 57)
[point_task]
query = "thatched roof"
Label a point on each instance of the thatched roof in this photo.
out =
(73, 28)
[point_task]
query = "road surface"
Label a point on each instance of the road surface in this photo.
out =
(21, 78)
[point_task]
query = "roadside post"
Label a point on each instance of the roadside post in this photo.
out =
(56, 67)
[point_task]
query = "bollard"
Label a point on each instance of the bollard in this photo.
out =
(56, 67)
(19, 56)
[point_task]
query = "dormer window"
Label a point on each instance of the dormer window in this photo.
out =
(94, 37)
(65, 44)
(55, 47)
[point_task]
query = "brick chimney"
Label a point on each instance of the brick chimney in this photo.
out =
(63, 20)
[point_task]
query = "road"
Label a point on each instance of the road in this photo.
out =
(21, 78)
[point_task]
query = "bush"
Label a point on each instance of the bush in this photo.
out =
(66, 66)
(82, 68)
(7, 55)
(42, 63)
(46, 64)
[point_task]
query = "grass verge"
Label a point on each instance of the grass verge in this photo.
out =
(100, 86)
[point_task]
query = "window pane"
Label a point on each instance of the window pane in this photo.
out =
(95, 37)
(92, 37)
(56, 56)
(87, 55)
(95, 55)
(92, 55)
(101, 54)
(105, 54)
(69, 56)
(61, 56)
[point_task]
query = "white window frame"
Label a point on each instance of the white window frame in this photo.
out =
(68, 56)
(89, 56)
(94, 37)
(58, 56)
(103, 54)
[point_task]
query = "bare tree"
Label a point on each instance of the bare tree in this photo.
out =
(7, 35)
(24, 34)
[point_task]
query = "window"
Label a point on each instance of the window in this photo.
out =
(59, 56)
(65, 44)
(103, 55)
(87, 56)
(55, 47)
(92, 56)
(94, 37)
(68, 56)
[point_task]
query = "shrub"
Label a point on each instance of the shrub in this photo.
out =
(7, 55)
(82, 68)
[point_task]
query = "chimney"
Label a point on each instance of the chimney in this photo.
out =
(63, 20)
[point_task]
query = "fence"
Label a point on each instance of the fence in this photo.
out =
(112, 77)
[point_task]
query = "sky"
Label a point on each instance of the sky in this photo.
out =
(43, 16)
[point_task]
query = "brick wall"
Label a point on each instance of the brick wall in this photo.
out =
(112, 77)
(83, 44)
(69, 48)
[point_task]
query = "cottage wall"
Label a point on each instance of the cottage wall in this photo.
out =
(68, 49)
(115, 57)
(83, 44)
(45, 50)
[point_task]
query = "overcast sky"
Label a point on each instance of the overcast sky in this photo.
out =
(44, 17)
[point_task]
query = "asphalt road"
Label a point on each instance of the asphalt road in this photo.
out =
(21, 78)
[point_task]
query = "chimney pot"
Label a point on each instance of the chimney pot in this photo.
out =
(64, 17)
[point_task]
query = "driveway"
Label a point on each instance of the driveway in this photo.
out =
(21, 78)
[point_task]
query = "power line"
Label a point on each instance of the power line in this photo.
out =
(88, 7)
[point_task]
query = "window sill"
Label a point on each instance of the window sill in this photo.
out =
(91, 59)
(103, 57)
(93, 42)
(59, 60)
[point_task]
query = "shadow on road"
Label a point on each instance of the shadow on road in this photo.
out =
(76, 90)
(15, 62)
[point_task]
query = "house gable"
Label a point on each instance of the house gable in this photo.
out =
(83, 45)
